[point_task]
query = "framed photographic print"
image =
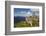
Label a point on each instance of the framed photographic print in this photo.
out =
(24, 17)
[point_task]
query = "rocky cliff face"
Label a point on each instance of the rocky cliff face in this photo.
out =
(29, 20)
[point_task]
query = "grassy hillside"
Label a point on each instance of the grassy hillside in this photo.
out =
(35, 23)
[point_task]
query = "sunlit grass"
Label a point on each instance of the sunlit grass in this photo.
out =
(25, 24)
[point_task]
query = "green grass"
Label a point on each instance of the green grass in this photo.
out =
(22, 24)
(25, 24)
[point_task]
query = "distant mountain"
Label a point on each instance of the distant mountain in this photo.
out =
(19, 18)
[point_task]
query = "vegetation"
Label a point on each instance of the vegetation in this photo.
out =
(35, 23)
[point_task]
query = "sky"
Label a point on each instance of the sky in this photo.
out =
(23, 12)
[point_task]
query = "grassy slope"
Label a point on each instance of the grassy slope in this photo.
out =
(24, 24)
